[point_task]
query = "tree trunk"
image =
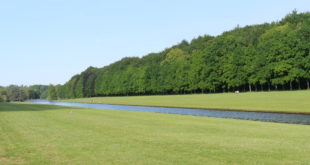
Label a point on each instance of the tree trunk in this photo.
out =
(268, 87)
(308, 85)
(261, 87)
(276, 87)
(291, 86)
(299, 85)
(250, 88)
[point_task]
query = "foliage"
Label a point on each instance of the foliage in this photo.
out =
(52, 94)
(16, 93)
(270, 56)
(21, 93)
(37, 91)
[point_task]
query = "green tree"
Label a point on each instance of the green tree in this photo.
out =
(52, 94)
(269, 55)
(16, 93)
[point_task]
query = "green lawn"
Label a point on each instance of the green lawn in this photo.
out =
(45, 134)
(288, 101)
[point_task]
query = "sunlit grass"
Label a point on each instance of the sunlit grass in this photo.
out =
(46, 134)
(288, 101)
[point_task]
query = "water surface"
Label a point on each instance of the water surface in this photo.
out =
(257, 116)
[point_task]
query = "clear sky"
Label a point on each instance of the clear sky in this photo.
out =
(49, 41)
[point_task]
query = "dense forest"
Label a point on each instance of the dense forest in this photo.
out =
(270, 56)
(21, 93)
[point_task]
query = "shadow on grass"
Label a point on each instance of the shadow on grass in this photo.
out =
(13, 107)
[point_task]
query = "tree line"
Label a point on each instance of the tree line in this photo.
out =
(264, 57)
(22, 93)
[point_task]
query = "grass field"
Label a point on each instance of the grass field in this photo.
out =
(288, 101)
(46, 134)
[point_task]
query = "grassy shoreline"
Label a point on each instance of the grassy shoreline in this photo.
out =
(293, 102)
(47, 134)
(238, 110)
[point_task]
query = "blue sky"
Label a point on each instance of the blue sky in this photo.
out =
(47, 42)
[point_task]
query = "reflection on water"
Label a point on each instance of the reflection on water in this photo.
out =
(259, 116)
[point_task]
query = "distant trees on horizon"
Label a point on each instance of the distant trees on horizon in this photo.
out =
(22, 93)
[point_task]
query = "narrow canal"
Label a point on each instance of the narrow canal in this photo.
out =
(257, 116)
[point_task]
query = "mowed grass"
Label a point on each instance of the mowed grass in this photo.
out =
(46, 134)
(288, 101)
